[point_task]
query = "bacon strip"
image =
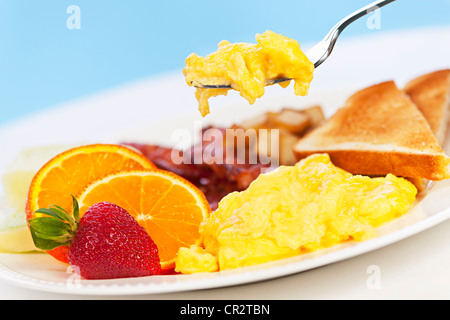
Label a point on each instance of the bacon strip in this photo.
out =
(216, 178)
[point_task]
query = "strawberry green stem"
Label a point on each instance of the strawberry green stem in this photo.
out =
(55, 227)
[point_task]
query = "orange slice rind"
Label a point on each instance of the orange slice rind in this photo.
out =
(70, 171)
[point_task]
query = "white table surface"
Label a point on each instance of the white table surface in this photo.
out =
(414, 268)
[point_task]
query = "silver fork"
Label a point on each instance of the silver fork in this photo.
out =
(322, 50)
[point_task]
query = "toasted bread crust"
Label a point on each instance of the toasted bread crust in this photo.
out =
(431, 94)
(379, 163)
(379, 131)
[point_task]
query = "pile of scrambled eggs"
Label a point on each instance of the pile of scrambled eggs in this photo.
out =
(246, 67)
(292, 210)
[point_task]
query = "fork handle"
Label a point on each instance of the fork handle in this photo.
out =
(341, 25)
(334, 33)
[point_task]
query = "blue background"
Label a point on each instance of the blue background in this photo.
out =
(43, 63)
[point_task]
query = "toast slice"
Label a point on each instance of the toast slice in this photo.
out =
(431, 94)
(379, 131)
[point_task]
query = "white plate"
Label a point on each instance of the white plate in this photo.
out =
(148, 111)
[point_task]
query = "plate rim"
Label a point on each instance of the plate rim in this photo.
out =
(227, 278)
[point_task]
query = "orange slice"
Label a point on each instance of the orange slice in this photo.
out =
(169, 207)
(69, 173)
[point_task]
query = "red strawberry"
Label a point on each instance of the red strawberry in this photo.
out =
(106, 243)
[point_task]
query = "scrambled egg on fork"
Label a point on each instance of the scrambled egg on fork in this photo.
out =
(247, 67)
